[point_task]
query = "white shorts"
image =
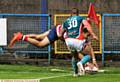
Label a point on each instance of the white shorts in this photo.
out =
(75, 44)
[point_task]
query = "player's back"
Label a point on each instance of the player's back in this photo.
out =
(72, 25)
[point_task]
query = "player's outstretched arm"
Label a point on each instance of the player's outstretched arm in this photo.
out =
(88, 26)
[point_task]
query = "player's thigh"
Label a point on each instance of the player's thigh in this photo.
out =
(46, 33)
(87, 50)
(44, 42)
(80, 55)
(43, 35)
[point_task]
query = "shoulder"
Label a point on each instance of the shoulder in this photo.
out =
(80, 17)
(85, 21)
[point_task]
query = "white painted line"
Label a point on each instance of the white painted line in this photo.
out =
(19, 80)
(54, 77)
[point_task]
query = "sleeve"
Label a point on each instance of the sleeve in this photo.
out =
(62, 30)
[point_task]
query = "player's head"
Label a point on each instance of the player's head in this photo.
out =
(74, 11)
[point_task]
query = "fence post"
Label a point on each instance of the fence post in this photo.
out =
(44, 10)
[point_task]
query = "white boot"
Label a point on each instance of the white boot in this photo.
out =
(81, 70)
(75, 75)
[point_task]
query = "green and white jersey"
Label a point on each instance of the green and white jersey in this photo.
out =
(72, 26)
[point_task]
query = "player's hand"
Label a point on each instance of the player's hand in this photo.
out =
(95, 63)
(95, 37)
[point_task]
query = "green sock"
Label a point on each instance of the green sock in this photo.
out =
(74, 65)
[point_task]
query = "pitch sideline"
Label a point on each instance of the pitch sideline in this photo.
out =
(53, 77)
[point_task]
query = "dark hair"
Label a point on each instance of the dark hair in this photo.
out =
(85, 30)
(75, 11)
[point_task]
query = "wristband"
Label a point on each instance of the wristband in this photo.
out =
(93, 59)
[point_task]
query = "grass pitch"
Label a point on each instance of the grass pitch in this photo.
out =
(56, 74)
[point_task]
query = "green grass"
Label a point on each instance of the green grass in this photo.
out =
(34, 72)
(87, 78)
(28, 72)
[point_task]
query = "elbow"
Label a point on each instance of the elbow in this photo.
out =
(59, 35)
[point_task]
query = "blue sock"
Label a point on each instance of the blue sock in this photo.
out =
(85, 59)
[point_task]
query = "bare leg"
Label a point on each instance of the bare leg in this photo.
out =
(32, 38)
(38, 36)
(43, 35)
(80, 55)
(42, 43)
(89, 50)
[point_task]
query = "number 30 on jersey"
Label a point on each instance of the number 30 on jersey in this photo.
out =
(72, 23)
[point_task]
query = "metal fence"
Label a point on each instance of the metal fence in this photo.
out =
(110, 34)
(27, 24)
(60, 47)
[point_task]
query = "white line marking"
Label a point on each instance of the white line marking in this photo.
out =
(54, 77)
(19, 80)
